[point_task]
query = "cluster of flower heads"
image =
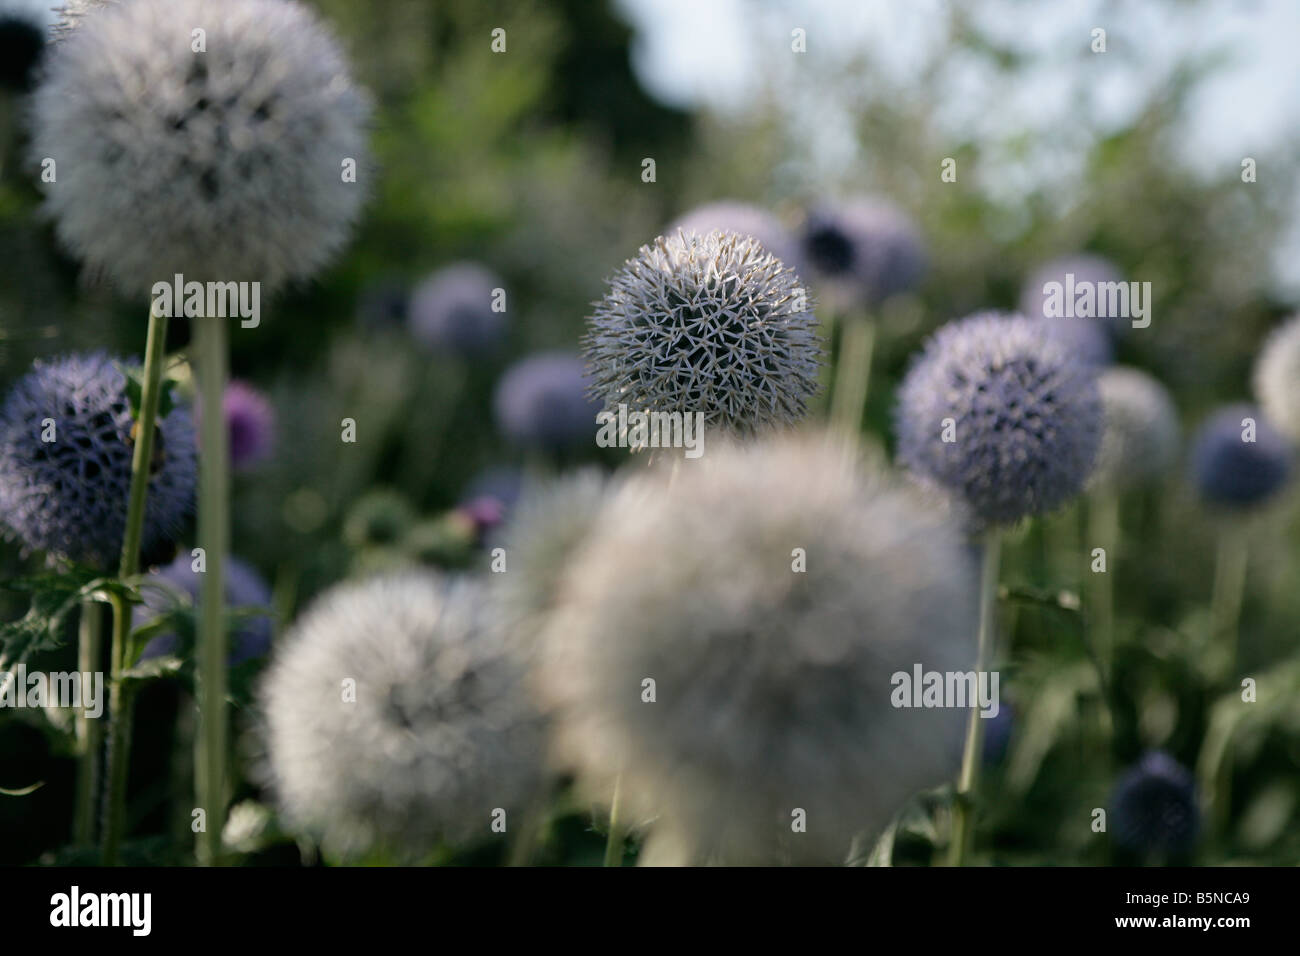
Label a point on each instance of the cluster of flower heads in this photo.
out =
(543, 401)
(67, 495)
(1239, 460)
(762, 675)
(396, 718)
(996, 412)
(452, 310)
(710, 324)
(227, 163)
(167, 587)
(864, 249)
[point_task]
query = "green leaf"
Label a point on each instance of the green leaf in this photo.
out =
(53, 597)
(134, 390)
(24, 791)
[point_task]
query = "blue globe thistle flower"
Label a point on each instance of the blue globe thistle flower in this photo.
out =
(23, 25)
(178, 582)
(451, 310)
(1023, 418)
(1154, 807)
(1089, 339)
(710, 324)
(1231, 472)
(251, 424)
(1277, 378)
(397, 719)
(772, 678)
(865, 250)
(743, 219)
(1140, 440)
(68, 496)
(227, 164)
(542, 402)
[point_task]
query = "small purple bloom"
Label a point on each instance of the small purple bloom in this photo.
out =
(244, 588)
(1230, 471)
(251, 421)
(543, 402)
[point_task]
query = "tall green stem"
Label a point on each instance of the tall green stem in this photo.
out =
(1103, 532)
(853, 373)
(963, 820)
(1229, 586)
(90, 737)
(214, 536)
(120, 697)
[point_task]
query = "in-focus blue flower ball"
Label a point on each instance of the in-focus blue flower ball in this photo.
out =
(1233, 473)
(68, 496)
(1024, 418)
(542, 402)
(244, 588)
(451, 310)
(1154, 809)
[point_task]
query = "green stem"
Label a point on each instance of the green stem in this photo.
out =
(90, 737)
(1229, 586)
(963, 820)
(614, 841)
(853, 373)
(214, 535)
(119, 695)
(1103, 532)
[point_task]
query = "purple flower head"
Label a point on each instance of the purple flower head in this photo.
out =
(1154, 809)
(179, 582)
(65, 462)
(744, 219)
(452, 310)
(543, 402)
(1233, 472)
(998, 414)
(1092, 339)
(865, 249)
(251, 422)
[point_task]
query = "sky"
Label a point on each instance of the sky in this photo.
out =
(720, 54)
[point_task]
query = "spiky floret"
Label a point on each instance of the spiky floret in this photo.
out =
(395, 719)
(1277, 378)
(772, 684)
(1140, 439)
(744, 219)
(1239, 460)
(997, 413)
(713, 324)
(222, 164)
(68, 496)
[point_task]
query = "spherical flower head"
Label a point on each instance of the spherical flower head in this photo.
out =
(743, 219)
(543, 402)
(1277, 378)
(551, 523)
(396, 720)
(771, 592)
(1239, 460)
(225, 164)
(251, 424)
(453, 310)
(1140, 439)
(710, 324)
(1155, 807)
(23, 25)
(865, 250)
(67, 495)
(1090, 339)
(178, 583)
(998, 414)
